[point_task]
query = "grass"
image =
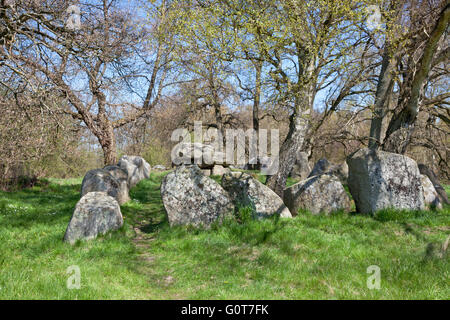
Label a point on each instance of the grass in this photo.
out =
(308, 257)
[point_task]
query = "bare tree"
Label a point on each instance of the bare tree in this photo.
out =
(99, 65)
(414, 51)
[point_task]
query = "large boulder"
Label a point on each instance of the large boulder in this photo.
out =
(136, 168)
(203, 155)
(100, 180)
(121, 177)
(431, 197)
(320, 194)
(324, 166)
(301, 167)
(381, 180)
(96, 213)
(191, 198)
(435, 181)
(247, 191)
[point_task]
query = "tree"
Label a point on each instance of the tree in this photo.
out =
(413, 84)
(98, 64)
(414, 46)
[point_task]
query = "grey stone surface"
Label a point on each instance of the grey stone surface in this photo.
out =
(206, 172)
(159, 167)
(301, 167)
(100, 180)
(191, 198)
(122, 177)
(380, 180)
(435, 181)
(136, 168)
(324, 166)
(219, 170)
(247, 191)
(431, 197)
(320, 194)
(320, 167)
(96, 213)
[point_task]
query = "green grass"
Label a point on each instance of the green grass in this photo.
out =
(308, 257)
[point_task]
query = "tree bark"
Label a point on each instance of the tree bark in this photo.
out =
(108, 143)
(305, 92)
(384, 90)
(298, 126)
(257, 98)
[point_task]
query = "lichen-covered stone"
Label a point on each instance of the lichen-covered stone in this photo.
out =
(136, 168)
(191, 198)
(381, 180)
(320, 194)
(247, 191)
(431, 197)
(96, 213)
(122, 177)
(100, 180)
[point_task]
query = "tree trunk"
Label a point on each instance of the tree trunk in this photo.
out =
(257, 98)
(384, 90)
(108, 143)
(298, 123)
(298, 126)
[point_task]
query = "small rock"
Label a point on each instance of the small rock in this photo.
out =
(219, 170)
